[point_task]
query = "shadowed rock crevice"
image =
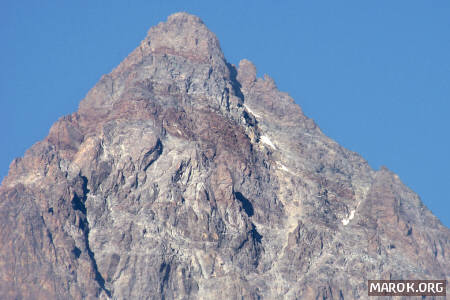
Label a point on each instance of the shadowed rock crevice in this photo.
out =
(78, 203)
(98, 277)
(255, 234)
(234, 82)
(246, 204)
(152, 155)
(249, 119)
(76, 251)
(164, 271)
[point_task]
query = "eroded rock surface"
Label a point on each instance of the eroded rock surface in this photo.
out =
(184, 177)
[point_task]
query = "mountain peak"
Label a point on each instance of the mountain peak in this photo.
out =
(185, 35)
(181, 177)
(246, 73)
(183, 17)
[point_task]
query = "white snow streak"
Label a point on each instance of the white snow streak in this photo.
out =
(251, 111)
(267, 141)
(284, 168)
(345, 221)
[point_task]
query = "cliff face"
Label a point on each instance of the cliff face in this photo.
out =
(183, 177)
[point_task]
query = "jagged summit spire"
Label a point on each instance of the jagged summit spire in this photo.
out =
(184, 17)
(180, 178)
(183, 38)
(186, 35)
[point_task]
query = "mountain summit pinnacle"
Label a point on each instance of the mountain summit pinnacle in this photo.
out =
(186, 35)
(181, 177)
(179, 54)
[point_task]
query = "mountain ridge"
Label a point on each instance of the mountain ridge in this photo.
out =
(231, 191)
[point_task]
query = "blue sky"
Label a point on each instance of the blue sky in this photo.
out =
(375, 75)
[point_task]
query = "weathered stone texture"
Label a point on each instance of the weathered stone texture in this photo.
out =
(183, 177)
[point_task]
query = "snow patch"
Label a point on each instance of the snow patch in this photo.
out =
(251, 111)
(345, 221)
(284, 168)
(267, 141)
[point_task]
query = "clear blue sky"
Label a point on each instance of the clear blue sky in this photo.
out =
(375, 75)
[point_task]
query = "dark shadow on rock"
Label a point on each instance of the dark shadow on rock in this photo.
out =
(234, 82)
(246, 205)
(255, 234)
(76, 251)
(152, 155)
(78, 203)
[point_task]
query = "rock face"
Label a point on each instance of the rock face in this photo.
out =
(183, 177)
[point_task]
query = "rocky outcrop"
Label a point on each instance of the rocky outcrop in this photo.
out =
(184, 177)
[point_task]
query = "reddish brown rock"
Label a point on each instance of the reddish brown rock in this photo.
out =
(181, 177)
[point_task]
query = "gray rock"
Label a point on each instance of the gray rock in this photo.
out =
(182, 177)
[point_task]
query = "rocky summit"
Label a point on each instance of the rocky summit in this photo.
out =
(182, 176)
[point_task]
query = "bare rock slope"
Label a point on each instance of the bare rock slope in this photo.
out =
(184, 177)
